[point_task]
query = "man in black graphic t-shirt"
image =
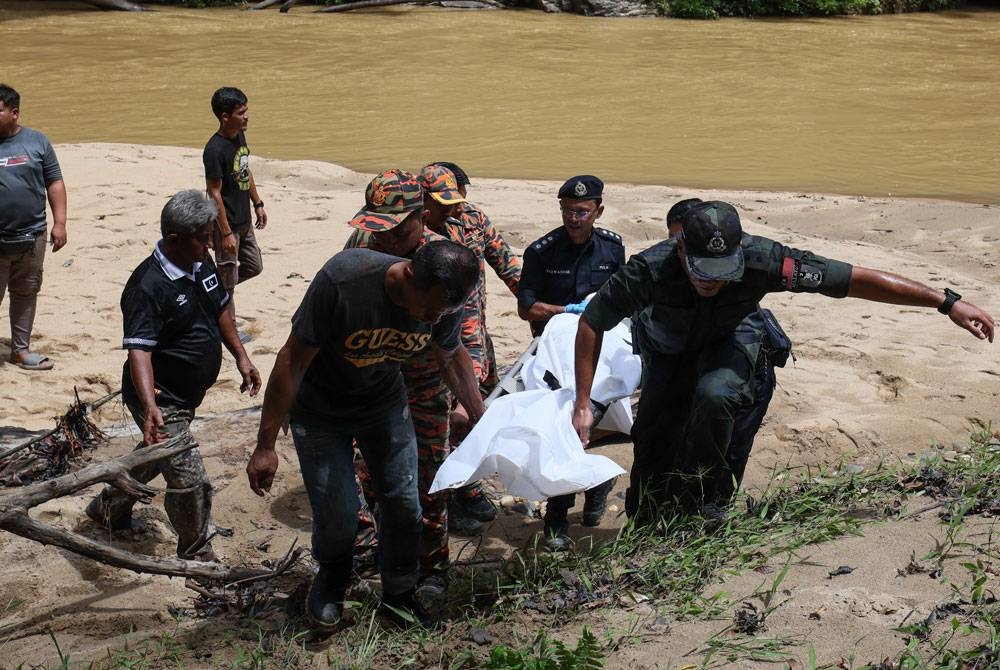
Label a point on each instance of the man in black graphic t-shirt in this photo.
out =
(230, 184)
(338, 375)
(175, 316)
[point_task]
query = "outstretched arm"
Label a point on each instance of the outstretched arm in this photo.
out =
(289, 368)
(588, 350)
(869, 284)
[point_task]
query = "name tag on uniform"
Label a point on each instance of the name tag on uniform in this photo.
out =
(601, 267)
(553, 271)
(210, 283)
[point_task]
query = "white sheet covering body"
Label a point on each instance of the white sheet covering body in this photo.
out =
(528, 437)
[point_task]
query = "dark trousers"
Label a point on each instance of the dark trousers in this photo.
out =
(326, 459)
(697, 418)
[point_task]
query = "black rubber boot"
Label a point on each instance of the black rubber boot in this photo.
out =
(595, 502)
(325, 602)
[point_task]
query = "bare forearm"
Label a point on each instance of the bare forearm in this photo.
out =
(869, 284)
(282, 386)
(459, 375)
(140, 365)
(889, 288)
(57, 201)
(214, 190)
(254, 195)
(230, 338)
(588, 350)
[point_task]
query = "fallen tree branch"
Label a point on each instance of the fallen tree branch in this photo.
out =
(115, 471)
(264, 5)
(15, 503)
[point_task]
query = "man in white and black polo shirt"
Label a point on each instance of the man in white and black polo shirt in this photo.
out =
(175, 318)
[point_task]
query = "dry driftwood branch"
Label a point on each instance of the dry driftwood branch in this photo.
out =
(15, 503)
(264, 5)
(364, 4)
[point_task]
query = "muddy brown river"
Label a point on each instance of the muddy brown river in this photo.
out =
(903, 104)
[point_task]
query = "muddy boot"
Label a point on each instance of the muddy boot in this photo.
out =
(477, 504)
(556, 530)
(460, 521)
(102, 511)
(595, 502)
(325, 602)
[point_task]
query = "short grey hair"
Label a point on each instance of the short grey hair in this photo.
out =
(186, 212)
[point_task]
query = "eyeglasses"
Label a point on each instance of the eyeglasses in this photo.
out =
(577, 214)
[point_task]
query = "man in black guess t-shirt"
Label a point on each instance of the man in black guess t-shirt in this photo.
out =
(175, 317)
(230, 184)
(338, 374)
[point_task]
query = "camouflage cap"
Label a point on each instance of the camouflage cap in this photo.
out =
(440, 182)
(712, 241)
(389, 199)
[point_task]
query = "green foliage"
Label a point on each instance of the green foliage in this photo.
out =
(546, 654)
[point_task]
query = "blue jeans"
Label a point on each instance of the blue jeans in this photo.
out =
(326, 459)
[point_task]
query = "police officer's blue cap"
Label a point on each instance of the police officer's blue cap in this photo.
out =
(582, 187)
(712, 237)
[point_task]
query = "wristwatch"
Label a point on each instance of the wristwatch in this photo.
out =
(950, 298)
(258, 205)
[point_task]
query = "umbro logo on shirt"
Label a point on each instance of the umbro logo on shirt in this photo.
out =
(182, 299)
(210, 283)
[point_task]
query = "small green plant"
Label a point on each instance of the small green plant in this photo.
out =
(548, 654)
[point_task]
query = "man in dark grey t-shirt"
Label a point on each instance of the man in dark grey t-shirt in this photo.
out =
(338, 376)
(29, 172)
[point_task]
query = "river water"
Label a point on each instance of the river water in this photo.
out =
(902, 105)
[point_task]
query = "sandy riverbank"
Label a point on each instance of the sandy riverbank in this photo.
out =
(871, 381)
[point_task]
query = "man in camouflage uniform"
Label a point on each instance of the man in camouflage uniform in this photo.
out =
(428, 397)
(466, 223)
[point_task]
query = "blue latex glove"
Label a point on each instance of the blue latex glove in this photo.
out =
(576, 307)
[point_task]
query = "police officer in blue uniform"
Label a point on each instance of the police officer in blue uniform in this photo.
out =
(559, 271)
(564, 266)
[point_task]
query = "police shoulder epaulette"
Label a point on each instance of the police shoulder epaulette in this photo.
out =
(544, 242)
(609, 235)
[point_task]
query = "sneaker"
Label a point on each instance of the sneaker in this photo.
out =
(476, 502)
(460, 521)
(245, 338)
(404, 610)
(595, 503)
(556, 534)
(325, 602)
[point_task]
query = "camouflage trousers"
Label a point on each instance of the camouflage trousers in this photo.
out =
(430, 423)
(188, 503)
